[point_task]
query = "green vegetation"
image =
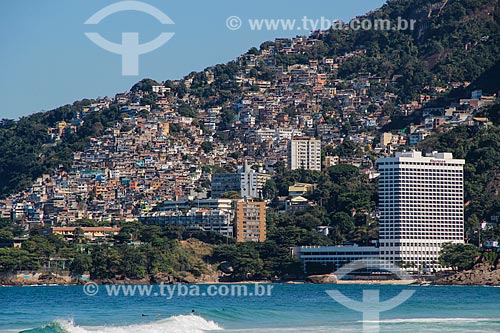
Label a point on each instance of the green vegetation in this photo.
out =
(145, 85)
(452, 41)
(139, 252)
(143, 252)
(265, 260)
(481, 149)
(345, 197)
(458, 256)
(17, 259)
(207, 146)
(27, 152)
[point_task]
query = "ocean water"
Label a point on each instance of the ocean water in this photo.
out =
(288, 308)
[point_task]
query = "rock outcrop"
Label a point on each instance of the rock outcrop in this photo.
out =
(34, 278)
(322, 279)
(483, 274)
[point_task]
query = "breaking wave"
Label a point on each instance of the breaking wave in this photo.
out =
(174, 324)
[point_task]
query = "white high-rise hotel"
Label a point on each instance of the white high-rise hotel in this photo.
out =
(421, 206)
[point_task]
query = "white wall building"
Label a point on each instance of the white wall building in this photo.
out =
(335, 256)
(247, 181)
(252, 182)
(421, 206)
(216, 220)
(304, 153)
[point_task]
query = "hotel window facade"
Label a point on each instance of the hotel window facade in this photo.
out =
(421, 207)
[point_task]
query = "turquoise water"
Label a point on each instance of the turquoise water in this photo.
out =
(290, 308)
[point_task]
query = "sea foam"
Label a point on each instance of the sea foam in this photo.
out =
(175, 324)
(430, 320)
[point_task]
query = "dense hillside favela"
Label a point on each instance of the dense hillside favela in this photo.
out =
(215, 177)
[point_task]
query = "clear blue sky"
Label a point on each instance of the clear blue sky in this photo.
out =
(47, 61)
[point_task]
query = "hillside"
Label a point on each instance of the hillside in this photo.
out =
(364, 94)
(27, 150)
(481, 149)
(455, 41)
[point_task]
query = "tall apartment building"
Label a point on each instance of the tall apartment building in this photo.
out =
(421, 206)
(248, 182)
(216, 220)
(304, 153)
(252, 182)
(225, 182)
(250, 221)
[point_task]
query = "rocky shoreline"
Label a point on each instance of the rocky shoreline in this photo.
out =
(65, 279)
(482, 274)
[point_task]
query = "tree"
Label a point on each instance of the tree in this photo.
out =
(329, 150)
(133, 262)
(343, 173)
(175, 128)
(186, 110)
(253, 51)
(39, 246)
(123, 237)
(348, 148)
(144, 85)
(81, 264)
(207, 147)
(270, 190)
(106, 263)
(17, 259)
(388, 109)
(6, 237)
(78, 235)
(243, 257)
(343, 226)
(278, 261)
(458, 256)
(231, 195)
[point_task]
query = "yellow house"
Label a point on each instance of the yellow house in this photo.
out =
(299, 189)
